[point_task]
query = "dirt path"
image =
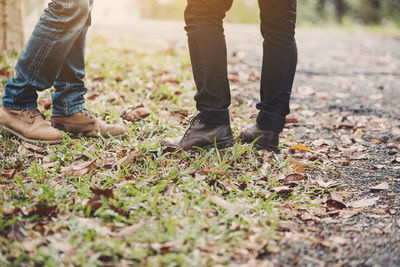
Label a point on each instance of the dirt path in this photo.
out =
(346, 107)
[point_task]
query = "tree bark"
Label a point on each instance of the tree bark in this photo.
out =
(11, 26)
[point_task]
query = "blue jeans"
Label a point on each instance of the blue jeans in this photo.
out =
(53, 56)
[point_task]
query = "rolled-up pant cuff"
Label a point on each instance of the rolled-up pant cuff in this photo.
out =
(271, 121)
(20, 107)
(71, 111)
(214, 116)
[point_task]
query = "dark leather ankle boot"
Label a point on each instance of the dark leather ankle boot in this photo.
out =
(267, 139)
(202, 135)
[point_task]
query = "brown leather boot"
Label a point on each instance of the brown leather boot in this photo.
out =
(202, 135)
(87, 124)
(29, 126)
(267, 140)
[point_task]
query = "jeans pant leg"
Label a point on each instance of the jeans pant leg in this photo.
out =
(44, 54)
(278, 21)
(70, 88)
(208, 55)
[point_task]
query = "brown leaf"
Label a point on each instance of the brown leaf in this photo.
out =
(11, 211)
(211, 171)
(297, 167)
(292, 120)
(363, 203)
(335, 205)
(42, 211)
(130, 231)
(335, 202)
(227, 185)
(136, 114)
(94, 203)
(107, 193)
(282, 190)
(79, 168)
(34, 148)
(381, 186)
(128, 159)
(293, 178)
(9, 174)
(5, 72)
(230, 207)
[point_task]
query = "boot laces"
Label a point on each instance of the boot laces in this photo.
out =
(193, 121)
(32, 113)
(87, 113)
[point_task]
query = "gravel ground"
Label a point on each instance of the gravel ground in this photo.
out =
(343, 79)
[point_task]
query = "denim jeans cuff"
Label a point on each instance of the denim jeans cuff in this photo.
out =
(271, 121)
(69, 112)
(20, 107)
(214, 116)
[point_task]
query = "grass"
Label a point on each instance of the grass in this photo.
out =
(187, 209)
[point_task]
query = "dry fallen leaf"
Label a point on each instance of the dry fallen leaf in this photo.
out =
(34, 148)
(363, 203)
(42, 210)
(230, 207)
(320, 181)
(107, 193)
(227, 185)
(128, 159)
(130, 231)
(93, 224)
(9, 174)
(300, 147)
(297, 166)
(282, 190)
(136, 114)
(79, 168)
(211, 171)
(381, 186)
(335, 202)
(293, 178)
(321, 142)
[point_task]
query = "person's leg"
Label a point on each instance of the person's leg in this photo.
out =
(37, 68)
(70, 88)
(69, 112)
(278, 21)
(208, 55)
(44, 54)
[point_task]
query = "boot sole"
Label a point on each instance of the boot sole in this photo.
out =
(220, 145)
(9, 132)
(276, 150)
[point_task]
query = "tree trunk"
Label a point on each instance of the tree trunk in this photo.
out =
(340, 9)
(11, 26)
